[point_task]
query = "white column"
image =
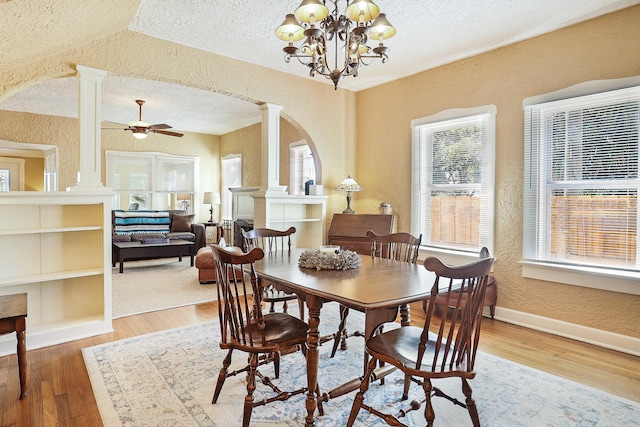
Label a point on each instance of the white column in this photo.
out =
(89, 120)
(271, 147)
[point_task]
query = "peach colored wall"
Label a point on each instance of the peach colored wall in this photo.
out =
(604, 48)
(248, 142)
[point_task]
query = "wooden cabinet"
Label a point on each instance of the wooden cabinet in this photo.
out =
(306, 213)
(350, 230)
(55, 246)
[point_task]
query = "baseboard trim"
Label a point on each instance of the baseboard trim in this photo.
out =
(618, 342)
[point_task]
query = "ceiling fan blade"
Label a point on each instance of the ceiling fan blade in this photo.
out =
(166, 132)
(160, 126)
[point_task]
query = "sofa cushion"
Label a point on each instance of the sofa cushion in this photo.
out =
(128, 222)
(121, 238)
(182, 235)
(181, 223)
(139, 237)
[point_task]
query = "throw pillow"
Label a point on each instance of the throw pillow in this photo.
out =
(181, 222)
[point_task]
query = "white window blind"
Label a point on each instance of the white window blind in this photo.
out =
(581, 180)
(151, 180)
(453, 179)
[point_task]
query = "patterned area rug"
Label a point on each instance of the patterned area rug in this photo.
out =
(168, 378)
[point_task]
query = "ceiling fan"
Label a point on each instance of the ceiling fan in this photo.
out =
(141, 129)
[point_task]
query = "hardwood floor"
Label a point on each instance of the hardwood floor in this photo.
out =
(60, 392)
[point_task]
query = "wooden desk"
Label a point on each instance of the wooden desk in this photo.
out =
(13, 314)
(350, 230)
(377, 288)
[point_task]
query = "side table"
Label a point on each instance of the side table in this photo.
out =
(219, 231)
(13, 314)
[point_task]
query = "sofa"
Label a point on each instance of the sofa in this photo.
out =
(153, 226)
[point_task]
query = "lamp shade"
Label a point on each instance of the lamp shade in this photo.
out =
(381, 29)
(290, 30)
(211, 198)
(311, 11)
(362, 10)
(184, 196)
(349, 184)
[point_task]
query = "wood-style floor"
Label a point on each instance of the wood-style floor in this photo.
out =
(60, 393)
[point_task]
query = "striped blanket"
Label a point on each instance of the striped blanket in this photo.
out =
(128, 222)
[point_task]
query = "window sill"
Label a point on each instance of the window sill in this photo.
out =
(589, 277)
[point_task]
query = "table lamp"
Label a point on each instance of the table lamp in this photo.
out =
(211, 198)
(349, 185)
(185, 201)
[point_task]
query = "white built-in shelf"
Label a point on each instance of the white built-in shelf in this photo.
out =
(56, 248)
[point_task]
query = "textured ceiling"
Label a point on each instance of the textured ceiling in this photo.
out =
(430, 33)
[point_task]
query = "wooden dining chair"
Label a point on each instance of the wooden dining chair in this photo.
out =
(490, 296)
(397, 246)
(245, 328)
(270, 240)
(442, 348)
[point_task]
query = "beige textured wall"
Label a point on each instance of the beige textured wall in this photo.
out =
(248, 142)
(604, 48)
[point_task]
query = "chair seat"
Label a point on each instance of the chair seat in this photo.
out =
(280, 329)
(399, 347)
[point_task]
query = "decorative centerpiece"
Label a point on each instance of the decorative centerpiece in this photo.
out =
(329, 258)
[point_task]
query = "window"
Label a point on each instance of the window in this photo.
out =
(301, 167)
(581, 180)
(5, 174)
(152, 180)
(231, 178)
(453, 180)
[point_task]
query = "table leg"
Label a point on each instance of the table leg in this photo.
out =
(372, 320)
(121, 260)
(192, 250)
(22, 355)
(313, 338)
(405, 315)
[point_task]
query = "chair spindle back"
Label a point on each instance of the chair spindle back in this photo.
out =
(455, 340)
(268, 239)
(398, 246)
(239, 294)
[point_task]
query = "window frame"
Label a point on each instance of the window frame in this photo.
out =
(598, 277)
(487, 115)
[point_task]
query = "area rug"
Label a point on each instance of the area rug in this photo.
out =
(158, 284)
(168, 378)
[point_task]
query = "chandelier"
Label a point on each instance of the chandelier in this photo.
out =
(335, 45)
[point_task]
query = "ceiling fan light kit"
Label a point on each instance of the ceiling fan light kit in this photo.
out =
(349, 32)
(141, 129)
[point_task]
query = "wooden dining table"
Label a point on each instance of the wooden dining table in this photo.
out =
(377, 288)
